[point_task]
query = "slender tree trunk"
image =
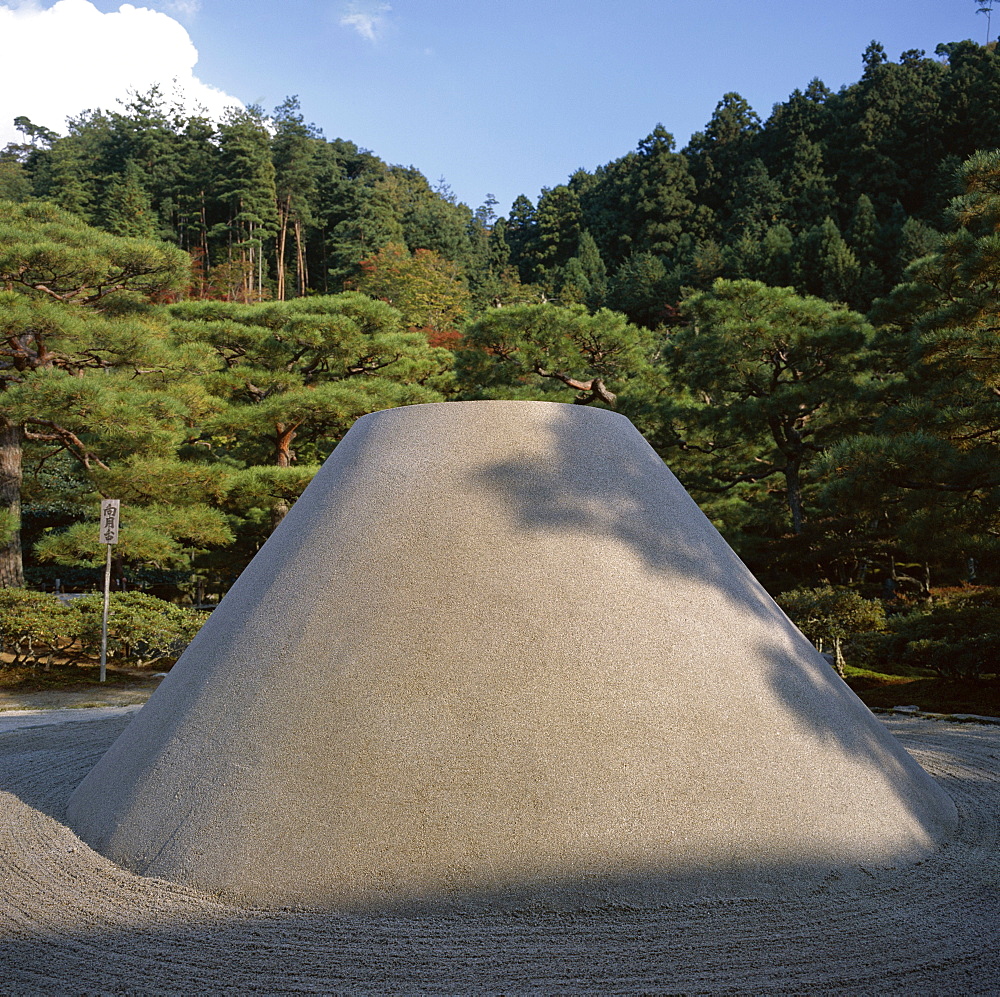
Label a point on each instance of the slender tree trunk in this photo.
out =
(248, 297)
(794, 489)
(11, 566)
(838, 656)
(282, 239)
(326, 269)
(300, 257)
(203, 215)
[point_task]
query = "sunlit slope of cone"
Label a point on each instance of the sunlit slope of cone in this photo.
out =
(496, 650)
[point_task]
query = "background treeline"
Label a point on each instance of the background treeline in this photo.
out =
(834, 194)
(800, 315)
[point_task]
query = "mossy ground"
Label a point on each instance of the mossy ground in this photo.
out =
(929, 692)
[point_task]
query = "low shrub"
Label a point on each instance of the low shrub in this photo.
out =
(36, 627)
(959, 639)
(141, 628)
(829, 614)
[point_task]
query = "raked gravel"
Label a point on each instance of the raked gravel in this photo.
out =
(71, 922)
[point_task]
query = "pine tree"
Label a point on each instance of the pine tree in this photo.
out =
(764, 381)
(76, 352)
(929, 466)
(293, 376)
(193, 210)
(294, 164)
(546, 351)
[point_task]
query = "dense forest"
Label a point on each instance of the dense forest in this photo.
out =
(799, 313)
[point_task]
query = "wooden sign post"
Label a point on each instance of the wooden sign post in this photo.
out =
(109, 536)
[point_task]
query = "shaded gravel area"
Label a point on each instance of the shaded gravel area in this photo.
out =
(73, 923)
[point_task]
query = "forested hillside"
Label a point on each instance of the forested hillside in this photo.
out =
(798, 310)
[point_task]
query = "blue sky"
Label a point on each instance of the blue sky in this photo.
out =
(495, 96)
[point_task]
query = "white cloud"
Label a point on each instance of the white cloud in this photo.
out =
(67, 57)
(182, 8)
(367, 18)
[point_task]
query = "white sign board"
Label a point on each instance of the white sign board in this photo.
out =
(109, 521)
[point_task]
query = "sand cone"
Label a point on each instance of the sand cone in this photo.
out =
(496, 651)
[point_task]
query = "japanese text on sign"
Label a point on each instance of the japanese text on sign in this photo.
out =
(109, 521)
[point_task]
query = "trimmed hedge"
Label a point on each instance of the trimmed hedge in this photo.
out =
(36, 627)
(954, 641)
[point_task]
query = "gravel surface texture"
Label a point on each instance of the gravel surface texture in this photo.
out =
(71, 922)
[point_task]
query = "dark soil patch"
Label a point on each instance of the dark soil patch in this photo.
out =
(73, 684)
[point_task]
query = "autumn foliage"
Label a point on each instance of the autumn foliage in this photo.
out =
(427, 289)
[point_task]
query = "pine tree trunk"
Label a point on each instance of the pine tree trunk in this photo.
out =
(11, 567)
(283, 458)
(794, 489)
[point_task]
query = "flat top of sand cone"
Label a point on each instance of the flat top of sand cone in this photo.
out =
(496, 649)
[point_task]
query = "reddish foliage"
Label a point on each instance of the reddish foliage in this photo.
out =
(450, 339)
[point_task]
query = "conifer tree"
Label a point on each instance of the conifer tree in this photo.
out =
(521, 233)
(73, 344)
(584, 277)
(558, 231)
(825, 266)
(720, 155)
(640, 288)
(369, 224)
(247, 192)
(808, 188)
(765, 381)
(291, 377)
(127, 210)
(930, 465)
(548, 351)
(294, 164)
(863, 239)
(663, 191)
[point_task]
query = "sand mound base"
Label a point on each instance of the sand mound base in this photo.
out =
(71, 922)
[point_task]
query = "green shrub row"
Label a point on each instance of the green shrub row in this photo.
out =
(38, 627)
